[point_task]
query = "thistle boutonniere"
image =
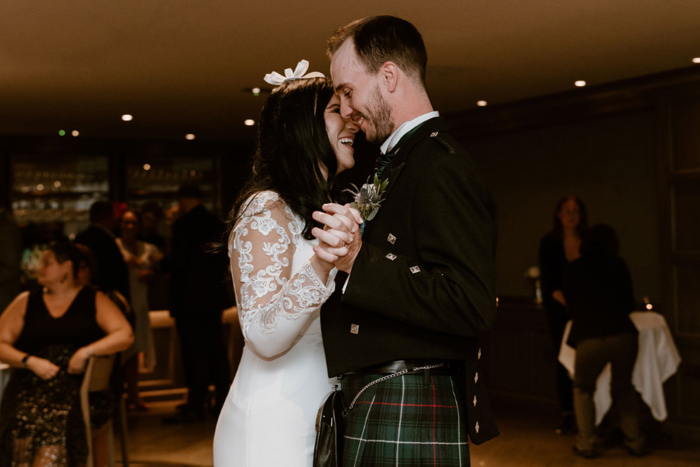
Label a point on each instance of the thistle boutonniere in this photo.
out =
(369, 198)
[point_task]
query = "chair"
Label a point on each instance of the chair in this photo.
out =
(97, 378)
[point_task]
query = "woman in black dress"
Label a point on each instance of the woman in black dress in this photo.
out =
(48, 336)
(559, 247)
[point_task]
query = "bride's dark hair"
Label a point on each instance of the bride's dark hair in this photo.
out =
(292, 148)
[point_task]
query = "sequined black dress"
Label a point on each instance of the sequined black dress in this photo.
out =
(43, 418)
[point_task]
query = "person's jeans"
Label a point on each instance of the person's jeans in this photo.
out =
(591, 357)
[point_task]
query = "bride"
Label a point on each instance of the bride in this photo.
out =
(270, 412)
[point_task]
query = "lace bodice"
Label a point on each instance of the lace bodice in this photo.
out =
(275, 291)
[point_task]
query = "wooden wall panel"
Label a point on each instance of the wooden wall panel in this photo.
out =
(685, 121)
(686, 215)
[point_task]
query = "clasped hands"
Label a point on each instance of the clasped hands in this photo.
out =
(46, 370)
(339, 240)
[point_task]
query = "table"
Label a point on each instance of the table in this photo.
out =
(657, 360)
(4, 377)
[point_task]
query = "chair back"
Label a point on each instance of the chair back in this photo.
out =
(96, 378)
(98, 373)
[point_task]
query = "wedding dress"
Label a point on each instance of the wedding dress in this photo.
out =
(269, 416)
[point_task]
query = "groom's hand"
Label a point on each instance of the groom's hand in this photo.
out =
(340, 240)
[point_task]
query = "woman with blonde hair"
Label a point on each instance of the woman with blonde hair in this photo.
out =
(48, 336)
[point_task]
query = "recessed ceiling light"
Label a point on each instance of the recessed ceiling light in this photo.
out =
(189, 136)
(249, 122)
(127, 117)
(256, 91)
(146, 166)
(580, 83)
(696, 60)
(75, 133)
(482, 103)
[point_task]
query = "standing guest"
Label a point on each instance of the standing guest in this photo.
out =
(10, 259)
(49, 335)
(598, 291)
(112, 273)
(421, 287)
(149, 230)
(198, 297)
(559, 247)
(142, 259)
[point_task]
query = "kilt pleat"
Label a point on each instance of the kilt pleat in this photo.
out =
(406, 421)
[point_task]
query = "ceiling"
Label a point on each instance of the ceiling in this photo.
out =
(181, 66)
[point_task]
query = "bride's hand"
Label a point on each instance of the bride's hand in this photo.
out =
(340, 240)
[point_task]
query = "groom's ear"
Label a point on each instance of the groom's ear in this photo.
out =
(389, 74)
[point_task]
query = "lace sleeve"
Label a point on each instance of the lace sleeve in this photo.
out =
(261, 252)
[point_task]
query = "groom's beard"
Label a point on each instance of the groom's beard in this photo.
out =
(379, 118)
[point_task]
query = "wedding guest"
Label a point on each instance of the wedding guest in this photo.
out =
(112, 273)
(198, 297)
(142, 260)
(598, 292)
(149, 230)
(10, 258)
(558, 248)
(48, 336)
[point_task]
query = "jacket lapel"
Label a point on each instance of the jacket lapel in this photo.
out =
(399, 161)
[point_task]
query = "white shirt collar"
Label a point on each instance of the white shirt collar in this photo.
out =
(396, 136)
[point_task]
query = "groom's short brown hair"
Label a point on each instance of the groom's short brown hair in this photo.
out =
(380, 39)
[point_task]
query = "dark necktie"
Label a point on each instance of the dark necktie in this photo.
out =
(384, 160)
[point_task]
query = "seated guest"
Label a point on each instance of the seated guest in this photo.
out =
(598, 291)
(49, 335)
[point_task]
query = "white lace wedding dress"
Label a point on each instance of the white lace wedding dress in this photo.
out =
(269, 416)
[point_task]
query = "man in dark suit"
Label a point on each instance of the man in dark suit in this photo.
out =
(198, 297)
(421, 285)
(112, 273)
(10, 259)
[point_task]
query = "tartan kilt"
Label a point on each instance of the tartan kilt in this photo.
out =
(406, 421)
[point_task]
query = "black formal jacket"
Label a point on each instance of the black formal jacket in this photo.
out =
(423, 283)
(112, 272)
(197, 281)
(552, 263)
(598, 291)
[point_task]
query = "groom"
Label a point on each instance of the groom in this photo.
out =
(421, 286)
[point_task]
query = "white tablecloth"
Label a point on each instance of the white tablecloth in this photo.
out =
(4, 377)
(657, 360)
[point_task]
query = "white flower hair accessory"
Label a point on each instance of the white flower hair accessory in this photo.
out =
(276, 79)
